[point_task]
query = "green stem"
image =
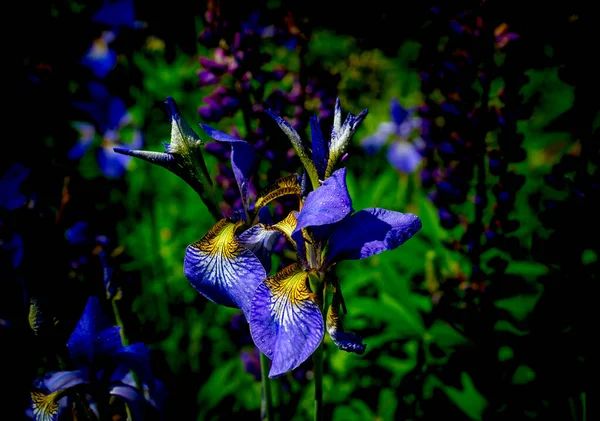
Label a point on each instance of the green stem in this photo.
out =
(267, 401)
(318, 370)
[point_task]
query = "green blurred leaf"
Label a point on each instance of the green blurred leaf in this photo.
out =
(506, 326)
(221, 383)
(445, 335)
(523, 374)
(529, 270)
(469, 400)
(519, 306)
(388, 403)
(402, 316)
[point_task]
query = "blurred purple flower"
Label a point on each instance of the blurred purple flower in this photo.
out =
(404, 151)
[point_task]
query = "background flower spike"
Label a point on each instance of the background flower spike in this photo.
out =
(182, 157)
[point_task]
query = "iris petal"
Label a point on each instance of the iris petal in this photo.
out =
(370, 231)
(260, 240)
(137, 358)
(281, 187)
(404, 156)
(285, 323)
(345, 341)
(242, 158)
(319, 152)
(94, 334)
(328, 204)
(221, 269)
(48, 390)
(132, 396)
(398, 112)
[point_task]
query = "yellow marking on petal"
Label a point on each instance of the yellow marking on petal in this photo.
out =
(220, 240)
(283, 186)
(286, 227)
(289, 287)
(45, 407)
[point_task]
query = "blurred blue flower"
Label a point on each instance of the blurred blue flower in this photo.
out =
(113, 124)
(95, 346)
(10, 187)
(403, 153)
(100, 58)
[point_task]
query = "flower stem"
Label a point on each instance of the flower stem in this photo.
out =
(318, 370)
(267, 401)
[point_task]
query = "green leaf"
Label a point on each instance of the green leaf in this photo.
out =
(445, 335)
(405, 319)
(529, 270)
(388, 403)
(221, 383)
(506, 326)
(469, 400)
(519, 306)
(523, 374)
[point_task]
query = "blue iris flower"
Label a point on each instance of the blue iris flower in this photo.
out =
(95, 346)
(403, 152)
(285, 311)
(115, 126)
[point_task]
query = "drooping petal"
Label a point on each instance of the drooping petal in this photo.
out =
(345, 341)
(242, 159)
(294, 137)
(368, 232)
(47, 391)
(285, 323)
(404, 156)
(326, 205)
(281, 187)
(319, 151)
(260, 240)
(221, 269)
(133, 398)
(93, 335)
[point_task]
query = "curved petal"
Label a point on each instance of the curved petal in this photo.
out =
(345, 341)
(242, 158)
(221, 269)
(94, 334)
(368, 232)
(260, 240)
(281, 187)
(133, 397)
(285, 323)
(328, 204)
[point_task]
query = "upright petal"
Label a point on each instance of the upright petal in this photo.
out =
(326, 205)
(285, 323)
(368, 232)
(242, 158)
(397, 112)
(340, 142)
(319, 151)
(260, 240)
(298, 145)
(93, 335)
(221, 269)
